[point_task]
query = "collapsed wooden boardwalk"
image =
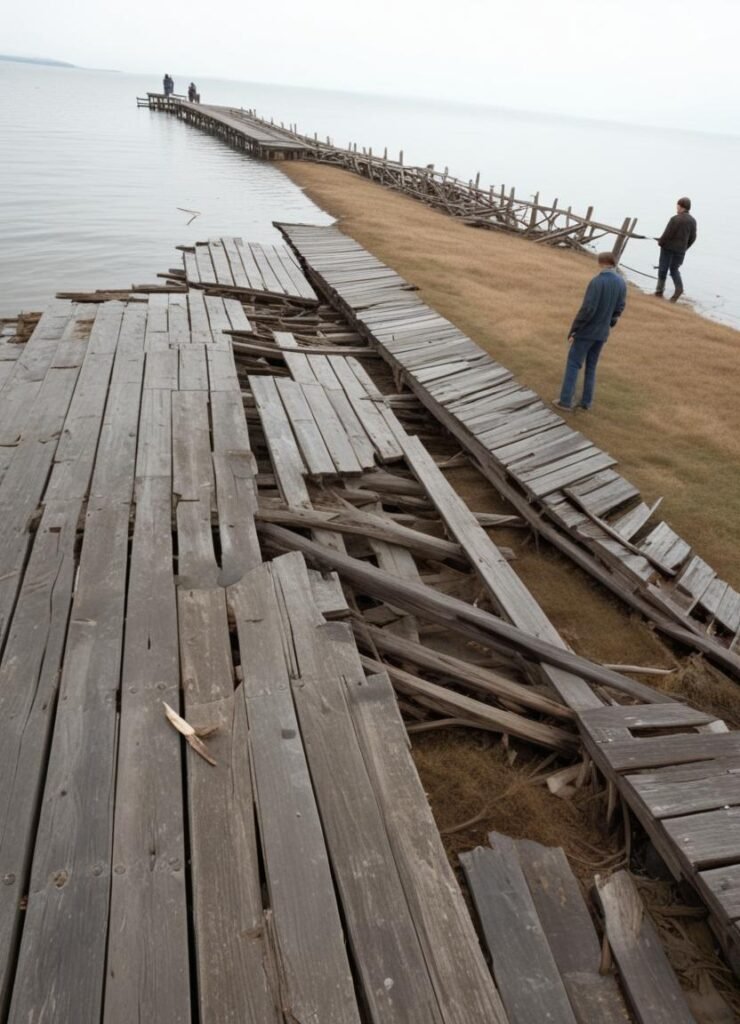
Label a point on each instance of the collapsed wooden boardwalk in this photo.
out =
(691, 813)
(209, 504)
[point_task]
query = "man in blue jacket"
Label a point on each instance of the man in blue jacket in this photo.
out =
(602, 306)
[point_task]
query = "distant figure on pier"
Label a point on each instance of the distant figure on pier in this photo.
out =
(678, 237)
(168, 84)
(602, 306)
(192, 93)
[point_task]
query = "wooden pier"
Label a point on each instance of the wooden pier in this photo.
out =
(233, 579)
(233, 126)
(494, 208)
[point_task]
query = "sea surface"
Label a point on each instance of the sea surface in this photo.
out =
(95, 192)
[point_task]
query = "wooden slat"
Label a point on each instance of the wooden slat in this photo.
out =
(648, 980)
(297, 362)
(389, 958)
(335, 438)
(570, 933)
(724, 884)
(630, 755)
(526, 974)
(233, 956)
(60, 972)
(686, 789)
(147, 964)
(193, 484)
(463, 985)
(501, 582)
(220, 262)
(371, 419)
(316, 456)
(284, 454)
(296, 862)
(709, 839)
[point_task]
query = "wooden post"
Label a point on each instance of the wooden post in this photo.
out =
(400, 158)
(477, 180)
(535, 211)
(621, 239)
(385, 154)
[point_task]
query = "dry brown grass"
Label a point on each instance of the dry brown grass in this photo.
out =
(666, 403)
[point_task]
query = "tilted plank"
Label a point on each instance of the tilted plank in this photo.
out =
(295, 857)
(315, 454)
(570, 933)
(284, 454)
(523, 965)
(648, 979)
(386, 948)
(461, 979)
(333, 433)
(724, 884)
(235, 974)
(686, 789)
(708, 839)
(500, 580)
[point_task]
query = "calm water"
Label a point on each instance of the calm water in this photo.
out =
(90, 186)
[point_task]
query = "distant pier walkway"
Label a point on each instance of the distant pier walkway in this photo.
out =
(495, 208)
(235, 126)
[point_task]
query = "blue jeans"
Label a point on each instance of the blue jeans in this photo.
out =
(669, 263)
(581, 349)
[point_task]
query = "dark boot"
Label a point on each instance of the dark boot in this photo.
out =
(677, 294)
(660, 288)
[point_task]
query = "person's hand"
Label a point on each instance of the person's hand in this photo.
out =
(571, 338)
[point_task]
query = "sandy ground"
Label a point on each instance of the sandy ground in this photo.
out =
(666, 408)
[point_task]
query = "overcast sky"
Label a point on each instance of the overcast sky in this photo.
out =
(672, 62)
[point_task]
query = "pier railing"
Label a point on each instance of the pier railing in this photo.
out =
(494, 207)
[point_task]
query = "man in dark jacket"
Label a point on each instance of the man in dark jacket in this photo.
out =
(678, 237)
(602, 306)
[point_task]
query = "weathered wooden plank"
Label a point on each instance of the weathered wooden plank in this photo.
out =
(193, 486)
(462, 982)
(147, 966)
(316, 456)
(333, 433)
(686, 789)
(503, 585)
(236, 267)
(665, 545)
(29, 679)
(648, 716)
(708, 839)
(724, 884)
(24, 481)
(60, 972)
(284, 454)
(271, 281)
(657, 752)
(389, 958)
(296, 861)
(297, 362)
(570, 933)
(232, 947)
(632, 522)
(193, 368)
(526, 974)
(222, 374)
(220, 262)
(371, 419)
(648, 980)
(204, 263)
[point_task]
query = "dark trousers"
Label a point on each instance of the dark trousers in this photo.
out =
(669, 264)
